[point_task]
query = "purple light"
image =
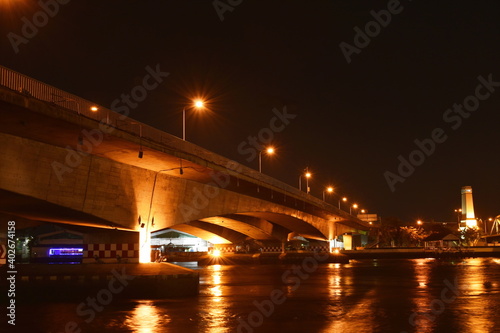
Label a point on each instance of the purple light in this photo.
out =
(65, 251)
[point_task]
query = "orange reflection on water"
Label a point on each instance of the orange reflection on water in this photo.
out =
(422, 270)
(217, 315)
(357, 316)
(334, 281)
(146, 318)
(420, 317)
(478, 292)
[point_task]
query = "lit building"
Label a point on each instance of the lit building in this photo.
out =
(468, 217)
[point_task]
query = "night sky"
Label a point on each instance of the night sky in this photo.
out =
(353, 120)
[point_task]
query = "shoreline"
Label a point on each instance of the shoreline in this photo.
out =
(417, 253)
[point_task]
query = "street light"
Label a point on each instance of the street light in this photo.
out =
(344, 199)
(197, 104)
(355, 206)
(307, 174)
(329, 189)
(269, 151)
(459, 215)
(419, 222)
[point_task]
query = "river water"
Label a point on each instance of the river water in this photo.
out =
(419, 295)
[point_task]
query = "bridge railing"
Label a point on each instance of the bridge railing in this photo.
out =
(42, 91)
(45, 92)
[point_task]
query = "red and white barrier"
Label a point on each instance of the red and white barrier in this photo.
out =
(110, 252)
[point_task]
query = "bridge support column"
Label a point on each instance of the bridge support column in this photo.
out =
(110, 246)
(332, 245)
(283, 246)
(144, 245)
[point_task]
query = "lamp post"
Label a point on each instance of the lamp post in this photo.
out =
(344, 199)
(269, 151)
(459, 215)
(197, 104)
(355, 206)
(307, 174)
(329, 189)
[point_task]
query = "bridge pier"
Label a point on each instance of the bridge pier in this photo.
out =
(111, 246)
(144, 245)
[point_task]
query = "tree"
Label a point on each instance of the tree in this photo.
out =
(411, 236)
(470, 236)
(393, 233)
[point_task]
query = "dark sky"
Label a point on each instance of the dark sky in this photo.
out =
(352, 120)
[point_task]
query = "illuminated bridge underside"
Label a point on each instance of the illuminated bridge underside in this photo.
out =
(235, 228)
(250, 226)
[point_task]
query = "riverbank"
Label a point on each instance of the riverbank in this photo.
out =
(69, 281)
(416, 253)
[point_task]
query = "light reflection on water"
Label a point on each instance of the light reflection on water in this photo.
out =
(146, 318)
(215, 319)
(363, 296)
(422, 298)
(480, 298)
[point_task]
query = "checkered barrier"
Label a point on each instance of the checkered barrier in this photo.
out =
(226, 249)
(271, 249)
(319, 248)
(278, 248)
(109, 252)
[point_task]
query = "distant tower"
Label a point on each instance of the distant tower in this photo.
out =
(468, 218)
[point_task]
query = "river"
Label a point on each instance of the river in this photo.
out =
(418, 295)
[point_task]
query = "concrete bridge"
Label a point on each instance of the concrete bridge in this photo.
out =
(65, 161)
